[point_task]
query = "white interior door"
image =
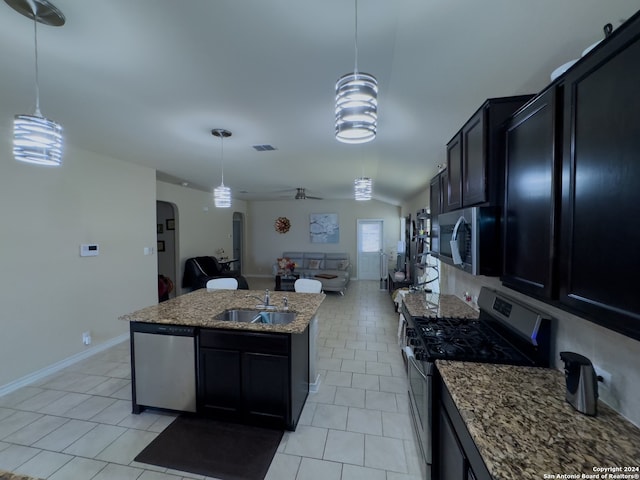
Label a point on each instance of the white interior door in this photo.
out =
(369, 249)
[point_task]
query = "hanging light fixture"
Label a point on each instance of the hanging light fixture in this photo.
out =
(363, 188)
(221, 194)
(37, 139)
(356, 103)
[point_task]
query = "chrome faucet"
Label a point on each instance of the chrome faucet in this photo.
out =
(285, 303)
(267, 298)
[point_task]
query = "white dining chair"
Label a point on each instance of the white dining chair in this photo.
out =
(225, 283)
(307, 285)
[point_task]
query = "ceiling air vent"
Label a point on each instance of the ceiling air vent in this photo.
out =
(264, 148)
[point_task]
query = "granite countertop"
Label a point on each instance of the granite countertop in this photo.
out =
(199, 309)
(420, 304)
(524, 428)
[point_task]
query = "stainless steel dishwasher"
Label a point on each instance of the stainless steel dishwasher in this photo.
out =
(164, 366)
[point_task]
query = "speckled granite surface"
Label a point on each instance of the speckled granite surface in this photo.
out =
(200, 308)
(524, 428)
(14, 476)
(421, 304)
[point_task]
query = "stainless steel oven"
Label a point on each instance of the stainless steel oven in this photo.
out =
(506, 332)
(420, 375)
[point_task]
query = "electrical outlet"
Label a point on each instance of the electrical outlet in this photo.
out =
(86, 338)
(606, 377)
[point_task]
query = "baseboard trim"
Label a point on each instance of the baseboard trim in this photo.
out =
(56, 367)
(313, 387)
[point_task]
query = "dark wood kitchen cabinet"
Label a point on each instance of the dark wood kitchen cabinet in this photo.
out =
(456, 456)
(253, 377)
(453, 193)
(437, 189)
(533, 140)
(600, 211)
(475, 155)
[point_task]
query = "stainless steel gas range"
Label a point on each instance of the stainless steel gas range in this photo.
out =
(507, 331)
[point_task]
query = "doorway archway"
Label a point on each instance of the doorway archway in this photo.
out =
(167, 236)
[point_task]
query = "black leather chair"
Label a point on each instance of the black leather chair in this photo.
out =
(199, 270)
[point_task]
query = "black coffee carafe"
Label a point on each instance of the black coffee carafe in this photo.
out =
(582, 383)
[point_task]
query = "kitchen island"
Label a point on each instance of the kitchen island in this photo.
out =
(200, 309)
(185, 357)
(522, 427)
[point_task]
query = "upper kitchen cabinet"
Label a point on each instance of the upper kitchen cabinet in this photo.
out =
(475, 156)
(533, 139)
(600, 211)
(437, 191)
(452, 195)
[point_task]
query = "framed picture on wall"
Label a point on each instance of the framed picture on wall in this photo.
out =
(324, 228)
(161, 245)
(171, 224)
(160, 228)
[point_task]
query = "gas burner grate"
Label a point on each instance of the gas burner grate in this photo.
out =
(452, 338)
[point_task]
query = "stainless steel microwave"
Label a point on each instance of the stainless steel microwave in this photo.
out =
(470, 240)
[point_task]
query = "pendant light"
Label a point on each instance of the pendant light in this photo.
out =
(37, 139)
(363, 188)
(221, 194)
(356, 103)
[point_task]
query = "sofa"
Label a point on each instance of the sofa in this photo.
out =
(332, 269)
(199, 270)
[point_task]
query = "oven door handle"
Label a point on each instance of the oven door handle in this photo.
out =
(412, 359)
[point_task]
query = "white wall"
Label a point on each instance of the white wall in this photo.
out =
(201, 228)
(617, 354)
(264, 244)
(49, 295)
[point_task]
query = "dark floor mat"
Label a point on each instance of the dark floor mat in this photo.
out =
(216, 449)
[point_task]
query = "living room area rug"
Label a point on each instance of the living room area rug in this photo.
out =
(223, 450)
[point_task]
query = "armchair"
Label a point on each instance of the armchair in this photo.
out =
(199, 270)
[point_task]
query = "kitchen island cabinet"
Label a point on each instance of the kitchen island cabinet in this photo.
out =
(253, 377)
(252, 373)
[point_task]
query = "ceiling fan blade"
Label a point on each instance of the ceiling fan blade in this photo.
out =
(314, 198)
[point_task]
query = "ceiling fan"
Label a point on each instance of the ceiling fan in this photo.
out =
(301, 195)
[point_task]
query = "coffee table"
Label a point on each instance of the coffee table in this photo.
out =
(285, 283)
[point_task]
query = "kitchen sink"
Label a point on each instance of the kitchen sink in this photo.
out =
(257, 316)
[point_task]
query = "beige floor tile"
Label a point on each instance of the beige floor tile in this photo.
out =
(361, 420)
(126, 447)
(311, 469)
(330, 416)
(95, 441)
(78, 469)
(15, 455)
(306, 441)
(33, 432)
(44, 464)
(355, 472)
(385, 453)
(350, 397)
(283, 467)
(344, 447)
(65, 435)
(112, 471)
(17, 420)
(381, 401)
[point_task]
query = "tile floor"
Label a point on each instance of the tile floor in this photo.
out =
(77, 424)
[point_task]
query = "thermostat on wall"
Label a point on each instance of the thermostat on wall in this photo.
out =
(89, 250)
